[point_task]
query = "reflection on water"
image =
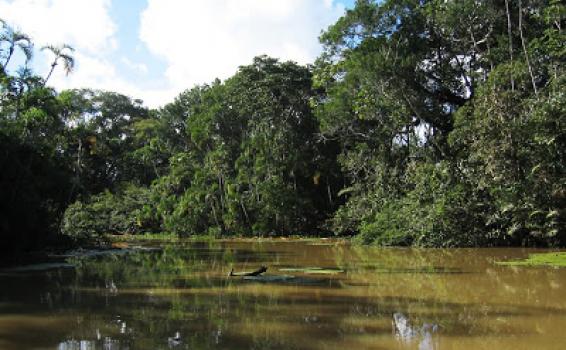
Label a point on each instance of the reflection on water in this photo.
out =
(329, 296)
(106, 344)
(409, 335)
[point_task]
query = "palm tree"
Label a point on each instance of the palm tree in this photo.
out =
(15, 39)
(63, 53)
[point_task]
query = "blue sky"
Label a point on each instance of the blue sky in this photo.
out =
(154, 49)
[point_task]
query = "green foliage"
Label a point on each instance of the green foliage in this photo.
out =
(31, 202)
(513, 145)
(127, 212)
(111, 139)
(437, 212)
(251, 156)
(35, 181)
(450, 120)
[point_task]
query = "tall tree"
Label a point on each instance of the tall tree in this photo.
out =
(14, 39)
(61, 53)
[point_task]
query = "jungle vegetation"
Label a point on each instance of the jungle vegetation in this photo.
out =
(430, 123)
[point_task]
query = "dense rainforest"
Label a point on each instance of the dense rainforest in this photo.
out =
(428, 123)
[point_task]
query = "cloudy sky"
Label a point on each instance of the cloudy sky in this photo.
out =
(154, 49)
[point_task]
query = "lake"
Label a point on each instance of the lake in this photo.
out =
(319, 294)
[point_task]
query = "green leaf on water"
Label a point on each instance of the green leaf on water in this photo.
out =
(314, 270)
(557, 259)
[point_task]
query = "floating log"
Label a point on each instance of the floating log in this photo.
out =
(243, 274)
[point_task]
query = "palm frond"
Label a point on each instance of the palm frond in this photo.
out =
(61, 52)
(68, 47)
(68, 63)
(19, 36)
(27, 49)
(51, 48)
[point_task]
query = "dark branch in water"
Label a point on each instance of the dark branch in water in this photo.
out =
(253, 273)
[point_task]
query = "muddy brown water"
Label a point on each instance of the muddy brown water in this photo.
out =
(315, 295)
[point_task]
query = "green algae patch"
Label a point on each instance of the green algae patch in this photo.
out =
(557, 259)
(314, 271)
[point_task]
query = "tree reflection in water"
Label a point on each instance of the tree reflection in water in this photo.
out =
(181, 297)
(408, 334)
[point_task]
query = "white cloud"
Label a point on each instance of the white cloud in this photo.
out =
(198, 39)
(137, 67)
(84, 24)
(87, 26)
(205, 39)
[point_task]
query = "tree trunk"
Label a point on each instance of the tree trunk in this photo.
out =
(510, 35)
(80, 149)
(53, 65)
(214, 214)
(329, 191)
(10, 53)
(245, 212)
(18, 103)
(525, 48)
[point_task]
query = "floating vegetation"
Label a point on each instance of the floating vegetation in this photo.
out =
(557, 259)
(415, 270)
(314, 270)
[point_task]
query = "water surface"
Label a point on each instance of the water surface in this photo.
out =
(315, 295)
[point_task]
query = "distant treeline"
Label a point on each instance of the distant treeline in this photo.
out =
(430, 123)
